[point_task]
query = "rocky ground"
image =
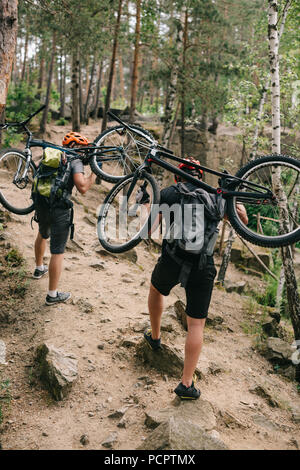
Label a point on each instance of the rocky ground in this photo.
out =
(123, 396)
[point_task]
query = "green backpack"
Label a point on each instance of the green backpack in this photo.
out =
(52, 177)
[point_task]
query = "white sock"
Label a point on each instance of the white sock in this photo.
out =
(41, 268)
(52, 293)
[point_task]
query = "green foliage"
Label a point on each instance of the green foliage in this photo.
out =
(21, 101)
(14, 258)
(62, 122)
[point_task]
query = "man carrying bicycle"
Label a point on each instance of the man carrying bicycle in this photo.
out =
(198, 284)
(55, 222)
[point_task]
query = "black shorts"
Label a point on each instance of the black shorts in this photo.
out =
(198, 289)
(54, 224)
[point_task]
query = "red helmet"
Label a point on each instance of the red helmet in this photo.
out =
(74, 137)
(189, 168)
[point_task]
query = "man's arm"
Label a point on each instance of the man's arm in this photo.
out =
(83, 183)
(242, 213)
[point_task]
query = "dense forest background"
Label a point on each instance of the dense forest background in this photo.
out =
(200, 62)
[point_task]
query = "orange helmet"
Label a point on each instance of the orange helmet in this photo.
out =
(189, 168)
(74, 137)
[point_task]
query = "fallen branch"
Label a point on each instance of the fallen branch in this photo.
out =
(258, 258)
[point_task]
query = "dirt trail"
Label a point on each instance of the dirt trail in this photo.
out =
(107, 306)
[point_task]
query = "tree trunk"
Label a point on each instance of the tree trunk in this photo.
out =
(49, 82)
(274, 70)
(134, 82)
(75, 92)
(286, 252)
(41, 70)
(185, 38)
(112, 66)
(265, 87)
(89, 94)
(8, 38)
(23, 74)
(121, 72)
(226, 257)
(98, 90)
(80, 93)
(63, 87)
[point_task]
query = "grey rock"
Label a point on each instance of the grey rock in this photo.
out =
(270, 327)
(84, 440)
(122, 423)
(118, 413)
(129, 342)
(273, 312)
(57, 370)
(278, 351)
(179, 308)
(199, 412)
(265, 391)
(84, 305)
(214, 319)
(295, 413)
(170, 436)
(238, 287)
(74, 245)
(231, 421)
(166, 360)
(265, 423)
(98, 265)
(110, 440)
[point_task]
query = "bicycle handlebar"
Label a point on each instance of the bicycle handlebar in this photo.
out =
(22, 123)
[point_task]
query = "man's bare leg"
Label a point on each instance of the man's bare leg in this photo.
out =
(39, 249)
(155, 305)
(193, 346)
(55, 269)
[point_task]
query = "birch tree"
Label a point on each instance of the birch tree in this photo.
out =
(286, 252)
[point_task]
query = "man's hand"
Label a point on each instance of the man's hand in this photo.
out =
(242, 213)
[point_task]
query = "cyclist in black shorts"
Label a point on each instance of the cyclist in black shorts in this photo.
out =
(198, 286)
(56, 225)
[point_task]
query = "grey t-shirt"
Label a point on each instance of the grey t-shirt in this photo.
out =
(76, 167)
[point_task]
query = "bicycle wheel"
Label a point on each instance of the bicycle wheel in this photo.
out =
(15, 192)
(122, 222)
(121, 164)
(270, 224)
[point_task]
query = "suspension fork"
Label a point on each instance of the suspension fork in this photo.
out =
(17, 178)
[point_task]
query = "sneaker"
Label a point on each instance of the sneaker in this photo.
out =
(38, 273)
(61, 297)
(154, 344)
(98, 180)
(187, 393)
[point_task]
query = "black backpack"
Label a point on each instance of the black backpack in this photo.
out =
(201, 213)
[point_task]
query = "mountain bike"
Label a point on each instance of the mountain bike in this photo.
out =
(268, 187)
(111, 163)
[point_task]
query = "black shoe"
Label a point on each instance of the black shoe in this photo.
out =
(98, 180)
(38, 273)
(187, 393)
(61, 297)
(154, 344)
